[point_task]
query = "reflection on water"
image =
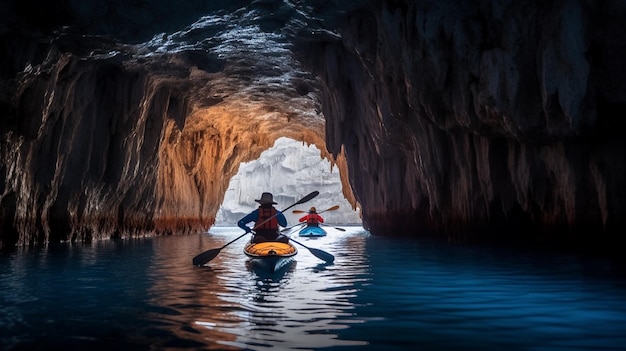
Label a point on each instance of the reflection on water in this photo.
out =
(379, 293)
(297, 308)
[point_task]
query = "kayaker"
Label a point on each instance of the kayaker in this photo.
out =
(312, 219)
(268, 229)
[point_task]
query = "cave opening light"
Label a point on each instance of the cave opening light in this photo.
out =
(289, 169)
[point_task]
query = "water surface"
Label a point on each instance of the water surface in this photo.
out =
(379, 293)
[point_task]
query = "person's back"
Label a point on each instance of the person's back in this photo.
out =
(269, 223)
(312, 219)
(267, 220)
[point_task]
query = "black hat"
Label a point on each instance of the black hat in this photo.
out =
(266, 198)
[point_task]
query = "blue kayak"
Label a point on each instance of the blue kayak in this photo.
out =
(311, 231)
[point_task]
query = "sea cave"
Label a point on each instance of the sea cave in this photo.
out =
(494, 120)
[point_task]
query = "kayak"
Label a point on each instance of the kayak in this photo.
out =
(270, 255)
(312, 231)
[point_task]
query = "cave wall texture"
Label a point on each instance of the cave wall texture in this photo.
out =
(458, 119)
(481, 118)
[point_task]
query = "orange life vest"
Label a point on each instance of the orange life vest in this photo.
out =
(264, 214)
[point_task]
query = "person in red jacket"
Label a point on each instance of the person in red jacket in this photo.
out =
(312, 219)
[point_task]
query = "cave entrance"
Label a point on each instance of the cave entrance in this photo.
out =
(289, 170)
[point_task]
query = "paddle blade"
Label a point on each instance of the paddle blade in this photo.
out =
(206, 257)
(339, 229)
(328, 209)
(322, 255)
(293, 226)
(308, 197)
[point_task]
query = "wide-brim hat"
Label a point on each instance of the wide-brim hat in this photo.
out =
(266, 198)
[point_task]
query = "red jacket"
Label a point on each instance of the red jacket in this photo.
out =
(312, 219)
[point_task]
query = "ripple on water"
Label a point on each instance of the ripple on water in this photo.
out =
(378, 292)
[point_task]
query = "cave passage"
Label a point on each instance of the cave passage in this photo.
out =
(289, 170)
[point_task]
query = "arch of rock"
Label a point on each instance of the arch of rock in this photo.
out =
(451, 118)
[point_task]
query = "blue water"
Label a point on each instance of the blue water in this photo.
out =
(379, 294)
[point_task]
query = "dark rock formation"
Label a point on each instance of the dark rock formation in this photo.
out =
(482, 119)
(488, 118)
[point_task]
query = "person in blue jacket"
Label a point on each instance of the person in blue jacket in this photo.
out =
(266, 220)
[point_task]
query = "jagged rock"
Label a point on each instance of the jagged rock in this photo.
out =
(459, 117)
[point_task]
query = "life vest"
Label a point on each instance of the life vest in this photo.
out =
(312, 219)
(264, 214)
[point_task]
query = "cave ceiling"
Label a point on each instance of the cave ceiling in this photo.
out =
(221, 74)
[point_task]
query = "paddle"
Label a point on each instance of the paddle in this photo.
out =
(321, 254)
(208, 255)
(293, 226)
(339, 229)
(328, 209)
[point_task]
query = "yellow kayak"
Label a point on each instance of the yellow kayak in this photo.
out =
(271, 255)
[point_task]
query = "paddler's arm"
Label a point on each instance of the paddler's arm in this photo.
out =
(282, 220)
(250, 217)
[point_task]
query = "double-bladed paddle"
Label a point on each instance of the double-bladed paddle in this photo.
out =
(293, 226)
(328, 209)
(208, 255)
(321, 254)
(339, 229)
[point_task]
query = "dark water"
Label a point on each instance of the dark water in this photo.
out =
(378, 295)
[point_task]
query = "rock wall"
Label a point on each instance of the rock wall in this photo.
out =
(103, 138)
(488, 119)
(481, 118)
(78, 149)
